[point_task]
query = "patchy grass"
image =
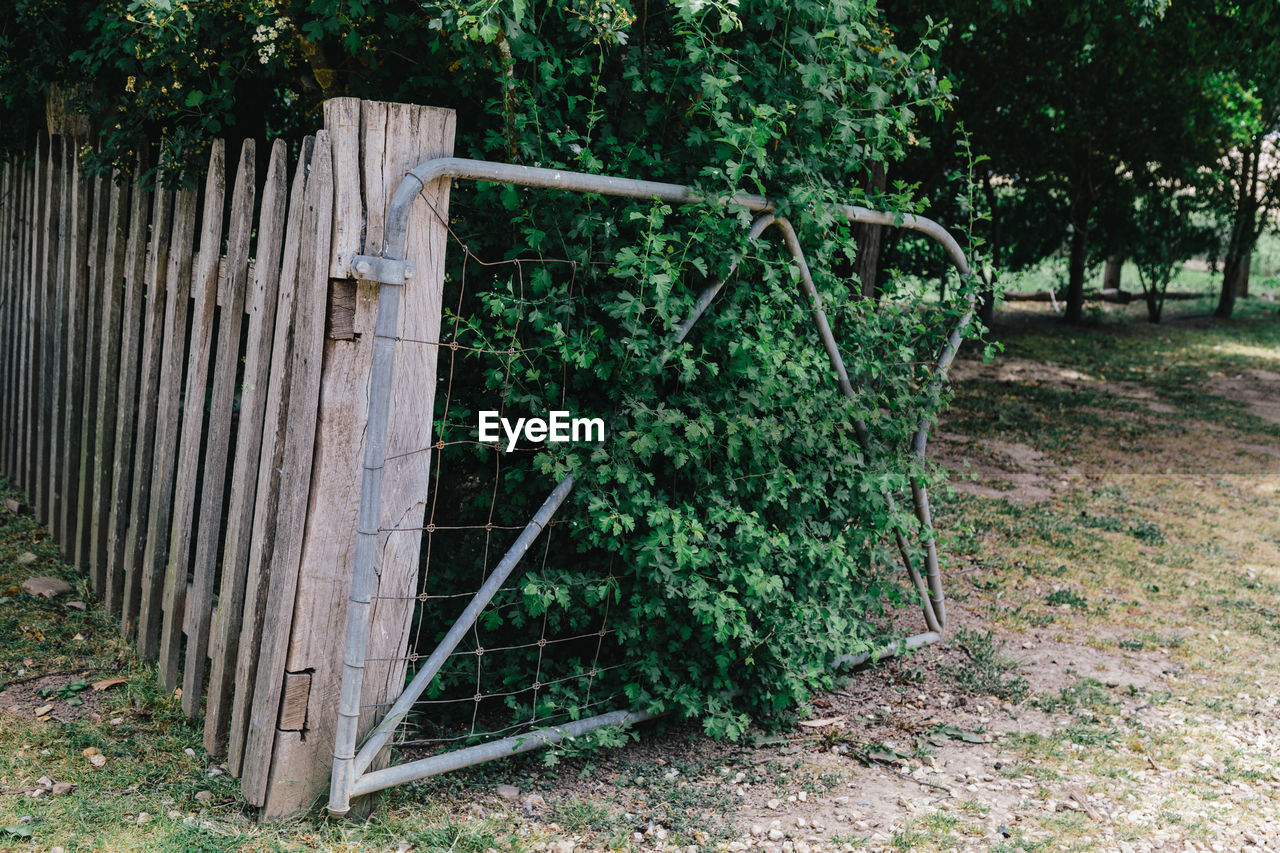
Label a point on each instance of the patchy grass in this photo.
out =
(985, 671)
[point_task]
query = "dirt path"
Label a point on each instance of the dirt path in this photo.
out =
(1116, 529)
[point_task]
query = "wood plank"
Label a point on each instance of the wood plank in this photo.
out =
(204, 298)
(89, 369)
(155, 556)
(295, 480)
(110, 381)
(152, 309)
(28, 320)
(271, 461)
(218, 443)
(57, 400)
(8, 443)
(300, 760)
(8, 195)
(15, 322)
(294, 698)
(406, 477)
(249, 444)
(73, 374)
(48, 368)
(342, 122)
(39, 165)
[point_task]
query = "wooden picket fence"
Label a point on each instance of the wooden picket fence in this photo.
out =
(181, 402)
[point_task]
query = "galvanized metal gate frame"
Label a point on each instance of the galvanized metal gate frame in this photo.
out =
(351, 776)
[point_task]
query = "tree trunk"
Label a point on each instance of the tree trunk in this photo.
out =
(1242, 279)
(870, 240)
(1244, 232)
(1076, 272)
(1155, 305)
(1232, 268)
(1111, 273)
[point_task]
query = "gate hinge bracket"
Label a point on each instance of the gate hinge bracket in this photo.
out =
(381, 270)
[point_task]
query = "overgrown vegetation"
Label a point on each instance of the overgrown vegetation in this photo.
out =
(732, 526)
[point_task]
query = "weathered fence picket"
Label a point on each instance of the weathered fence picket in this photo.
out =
(204, 296)
(275, 435)
(184, 408)
(231, 301)
(250, 442)
(126, 410)
(178, 289)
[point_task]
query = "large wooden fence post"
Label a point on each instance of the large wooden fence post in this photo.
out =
(295, 703)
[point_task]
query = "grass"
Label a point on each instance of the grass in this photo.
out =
(985, 671)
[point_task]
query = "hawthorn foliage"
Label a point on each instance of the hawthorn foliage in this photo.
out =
(736, 529)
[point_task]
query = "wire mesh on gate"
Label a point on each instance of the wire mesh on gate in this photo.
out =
(452, 696)
(543, 652)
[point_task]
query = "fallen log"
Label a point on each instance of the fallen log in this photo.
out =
(1121, 297)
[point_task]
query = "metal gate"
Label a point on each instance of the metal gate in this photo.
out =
(353, 771)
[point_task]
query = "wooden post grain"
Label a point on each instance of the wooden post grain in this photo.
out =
(249, 447)
(296, 468)
(111, 380)
(71, 410)
(170, 351)
(375, 145)
(97, 277)
(218, 440)
(275, 432)
(204, 297)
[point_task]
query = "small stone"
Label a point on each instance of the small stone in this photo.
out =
(189, 751)
(776, 834)
(43, 709)
(175, 815)
(801, 823)
(77, 605)
(60, 789)
(774, 804)
(802, 847)
(756, 830)
(27, 559)
(637, 838)
(507, 792)
(144, 817)
(560, 847)
(803, 796)
(204, 796)
(46, 587)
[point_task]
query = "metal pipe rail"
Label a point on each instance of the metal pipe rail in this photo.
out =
(350, 769)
